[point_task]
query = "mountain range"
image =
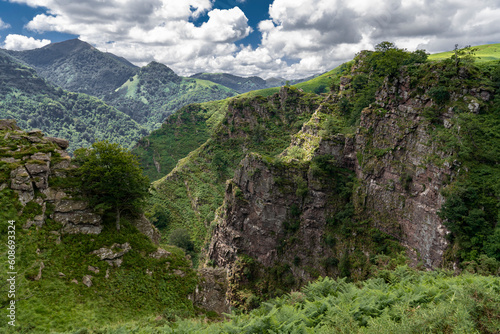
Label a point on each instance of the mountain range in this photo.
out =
(148, 94)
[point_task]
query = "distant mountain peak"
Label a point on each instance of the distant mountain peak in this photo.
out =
(155, 70)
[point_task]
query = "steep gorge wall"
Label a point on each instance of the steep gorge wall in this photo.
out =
(285, 218)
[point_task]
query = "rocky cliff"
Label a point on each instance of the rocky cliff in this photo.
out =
(335, 199)
(38, 169)
(37, 165)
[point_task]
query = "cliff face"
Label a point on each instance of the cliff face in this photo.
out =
(37, 167)
(297, 213)
(38, 170)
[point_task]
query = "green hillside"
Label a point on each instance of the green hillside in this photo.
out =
(396, 301)
(156, 91)
(484, 53)
(194, 190)
(162, 145)
(63, 280)
(148, 94)
(78, 67)
(79, 118)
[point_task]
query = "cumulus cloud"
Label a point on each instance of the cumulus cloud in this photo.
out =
(300, 37)
(20, 42)
(320, 34)
(3, 25)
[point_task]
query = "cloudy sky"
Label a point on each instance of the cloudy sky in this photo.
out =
(287, 38)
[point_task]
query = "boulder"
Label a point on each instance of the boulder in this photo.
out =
(87, 280)
(8, 124)
(62, 143)
(160, 253)
(112, 253)
(145, 227)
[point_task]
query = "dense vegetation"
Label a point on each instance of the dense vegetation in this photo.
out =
(148, 94)
(471, 210)
(78, 67)
(243, 85)
(156, 91)
(401, 300)
(79, 118)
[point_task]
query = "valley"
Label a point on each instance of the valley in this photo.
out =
(364, 200)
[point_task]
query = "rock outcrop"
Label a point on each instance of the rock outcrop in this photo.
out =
(210, 293)
(288, 216)
(32, 176)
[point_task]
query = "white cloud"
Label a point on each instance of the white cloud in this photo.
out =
(224, 26)
(20, 42)
(300, 38)
(4, 25)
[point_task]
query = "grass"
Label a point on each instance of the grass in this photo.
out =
(484, 53)
(141, 287)
(400, 300)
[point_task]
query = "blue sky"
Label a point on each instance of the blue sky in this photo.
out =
(286, 38)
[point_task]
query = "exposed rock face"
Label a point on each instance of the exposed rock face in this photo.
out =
(31, 173)
(145, 227)
(274, 224)
(400, 173)
(210, 294)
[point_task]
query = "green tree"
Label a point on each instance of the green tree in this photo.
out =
(181, 238)
(463, 55)
(385, 46)
(111, 178)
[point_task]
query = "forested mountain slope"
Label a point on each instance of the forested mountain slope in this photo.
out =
(80, 118)
(148, 94)
(78, 67)
(156, 91)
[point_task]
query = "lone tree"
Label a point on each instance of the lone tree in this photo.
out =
(111, 178)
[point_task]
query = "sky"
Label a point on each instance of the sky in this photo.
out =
(268, 38)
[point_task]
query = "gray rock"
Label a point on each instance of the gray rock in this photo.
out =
(145, 227)
(87, 280)
(160, 253)
(85, 222)
(114, 252)
(62, 143)
(21, 183)
(210, 294)
(70, 206)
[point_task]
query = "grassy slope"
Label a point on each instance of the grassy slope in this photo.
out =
(181, 133)
(156, 91)
(485, 53)
(194, 190)
(54, 303)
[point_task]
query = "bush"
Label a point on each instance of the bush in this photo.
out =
(181, 238)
